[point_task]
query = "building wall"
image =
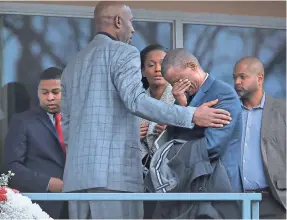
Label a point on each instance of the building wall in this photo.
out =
(251, 8)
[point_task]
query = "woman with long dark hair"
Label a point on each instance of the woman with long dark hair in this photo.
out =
(158, 88)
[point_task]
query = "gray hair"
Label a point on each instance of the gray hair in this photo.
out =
(177, 58)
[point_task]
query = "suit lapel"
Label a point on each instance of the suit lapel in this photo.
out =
(197, 99)
(265, 125)
(44, 118)
(266, 116)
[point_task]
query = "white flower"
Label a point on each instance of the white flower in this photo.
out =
(18, 206)
(4, 179)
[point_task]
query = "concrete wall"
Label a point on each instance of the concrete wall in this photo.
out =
(252, 8)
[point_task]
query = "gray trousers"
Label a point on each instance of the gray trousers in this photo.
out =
(105, 209)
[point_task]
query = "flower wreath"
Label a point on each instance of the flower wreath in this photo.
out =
(13, 205)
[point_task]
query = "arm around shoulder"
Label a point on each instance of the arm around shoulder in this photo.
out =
(217, 138)
(126, 76)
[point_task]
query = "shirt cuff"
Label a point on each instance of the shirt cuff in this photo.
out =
(47, 189)
(191, 111)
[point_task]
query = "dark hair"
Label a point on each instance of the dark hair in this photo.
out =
(148, 49)
(178, 57)
(144, 53)
(51, 73)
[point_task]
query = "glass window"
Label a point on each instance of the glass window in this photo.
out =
(34, 43)
(30, 44)
(219, 47)
(151, 33)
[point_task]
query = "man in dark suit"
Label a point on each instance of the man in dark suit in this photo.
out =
(264, 138)
(34, 148)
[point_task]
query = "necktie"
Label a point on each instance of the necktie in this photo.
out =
(58, 126)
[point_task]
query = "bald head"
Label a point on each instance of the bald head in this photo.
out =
(106, 11)
(177, 58)
(115, 18)
(251, 64)
(249, 78)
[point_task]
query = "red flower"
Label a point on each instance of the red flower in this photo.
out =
(3, 198)
(3, 190)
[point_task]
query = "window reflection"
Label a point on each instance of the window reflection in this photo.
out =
(219, 47)
(34, 43)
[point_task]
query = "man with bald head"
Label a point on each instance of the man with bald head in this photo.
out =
(114, 18)
(263, 138)
(102, 95)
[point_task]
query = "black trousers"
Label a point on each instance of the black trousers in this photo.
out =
(65, 211)
(269, 208)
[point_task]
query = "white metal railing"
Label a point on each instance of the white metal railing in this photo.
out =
(250, 201)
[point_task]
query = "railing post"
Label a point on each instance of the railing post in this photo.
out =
(255, 209)
(246, 209)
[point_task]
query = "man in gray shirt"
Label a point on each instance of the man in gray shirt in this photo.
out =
(102, 97)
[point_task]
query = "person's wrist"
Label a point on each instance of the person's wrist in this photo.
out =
(181, 101)
(193, 120)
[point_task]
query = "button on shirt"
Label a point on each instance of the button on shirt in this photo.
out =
(253, 172)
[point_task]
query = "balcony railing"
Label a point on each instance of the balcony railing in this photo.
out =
(250, 201)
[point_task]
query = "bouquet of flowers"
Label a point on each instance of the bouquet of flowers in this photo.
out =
(15, 206)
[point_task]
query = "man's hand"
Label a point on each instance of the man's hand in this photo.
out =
(143, 130)
(159, 128)
(205, 116)
(178, 90)
(55, 185)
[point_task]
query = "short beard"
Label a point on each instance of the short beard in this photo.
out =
(247, 94)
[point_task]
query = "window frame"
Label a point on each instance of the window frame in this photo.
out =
(175, 17)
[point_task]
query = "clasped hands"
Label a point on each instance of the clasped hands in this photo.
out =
(144, 128)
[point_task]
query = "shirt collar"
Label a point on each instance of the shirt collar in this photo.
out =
(262, 101)
(51, 115)
(204, 79)
(189, 98)
(108, 35)
(261, 105)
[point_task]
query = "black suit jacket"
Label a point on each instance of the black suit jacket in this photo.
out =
(33, 152)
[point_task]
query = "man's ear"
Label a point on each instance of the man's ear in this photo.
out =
(260, 78)
(191, 65)
(118, 21)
